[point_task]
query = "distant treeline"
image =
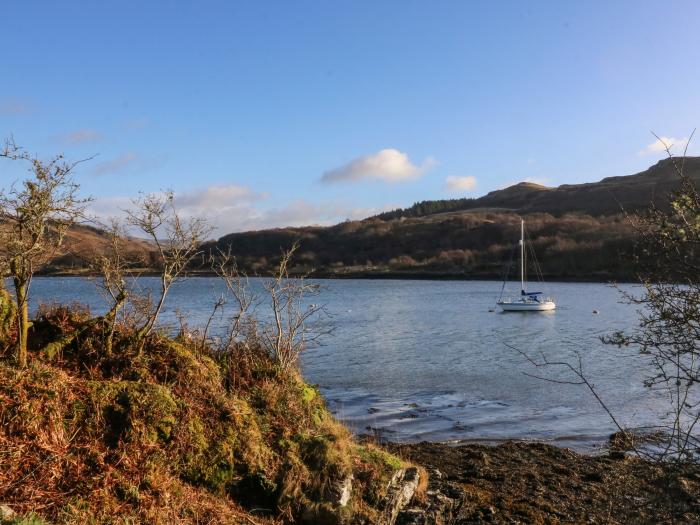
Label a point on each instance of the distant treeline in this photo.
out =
(423, 208)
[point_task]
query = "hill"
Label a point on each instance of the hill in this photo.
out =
(578, 231)
(606, 197)
(83, 242)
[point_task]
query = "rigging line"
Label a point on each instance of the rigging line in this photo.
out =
(538, 269)
(536, 263)
(507, 272)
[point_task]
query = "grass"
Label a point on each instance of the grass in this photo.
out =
(162, 436)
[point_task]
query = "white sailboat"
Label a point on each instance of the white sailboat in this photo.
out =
(528, 301)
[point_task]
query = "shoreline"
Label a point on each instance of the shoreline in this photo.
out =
(517, 482)
(600, 448)
(389, 276)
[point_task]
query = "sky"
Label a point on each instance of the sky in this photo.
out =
(267, 114)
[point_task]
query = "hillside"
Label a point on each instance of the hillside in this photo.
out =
(578, 232)
(175, 431)
(83, 242)
(606, 197)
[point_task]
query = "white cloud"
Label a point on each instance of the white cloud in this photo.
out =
(216, 197)
(660, 144)
(389, 165)
(460, 184)
(226, 207)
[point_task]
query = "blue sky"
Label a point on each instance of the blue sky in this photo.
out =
(263, 114)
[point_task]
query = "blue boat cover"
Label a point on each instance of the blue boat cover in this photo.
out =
(531, 295)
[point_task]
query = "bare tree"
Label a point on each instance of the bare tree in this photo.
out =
(35, 216)
(290, 331)
(575, 375)
(177, 243)
(668, 267)
(668, 262)
(112, 265)
(243, 321)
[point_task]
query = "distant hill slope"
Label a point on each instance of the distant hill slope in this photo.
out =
(596, 198)
(83, 242)
(577, 229)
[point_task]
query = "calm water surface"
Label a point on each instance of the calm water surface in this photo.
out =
(428, 360)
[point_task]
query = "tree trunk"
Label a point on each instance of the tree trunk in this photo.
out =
(22, 321)
(111, 319)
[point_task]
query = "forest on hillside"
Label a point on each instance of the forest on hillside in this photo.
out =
(457, 245)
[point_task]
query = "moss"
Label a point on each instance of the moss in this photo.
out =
(135, 411)
(327, 454)
(210, 462)
(8, 313)
(220, 452)
(184, 365)
(309, 392)
(374, 470)
(378, 457)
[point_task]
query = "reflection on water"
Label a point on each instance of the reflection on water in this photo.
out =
(428, 360)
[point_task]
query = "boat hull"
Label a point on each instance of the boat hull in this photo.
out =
(527, 306)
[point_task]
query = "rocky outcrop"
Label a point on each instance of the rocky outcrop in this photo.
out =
(401, 489)
(342, 491)
(439, 506)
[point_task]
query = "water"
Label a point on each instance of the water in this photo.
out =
(428, 360)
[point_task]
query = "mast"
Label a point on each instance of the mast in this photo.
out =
(522, 256)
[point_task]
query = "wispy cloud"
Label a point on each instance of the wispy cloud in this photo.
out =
(10, 107)
(116, 165)
(389, 165)
(235, 208)
(217, 197)
(80, 136)
(296, 213)
(675, 145)
(460, 184)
